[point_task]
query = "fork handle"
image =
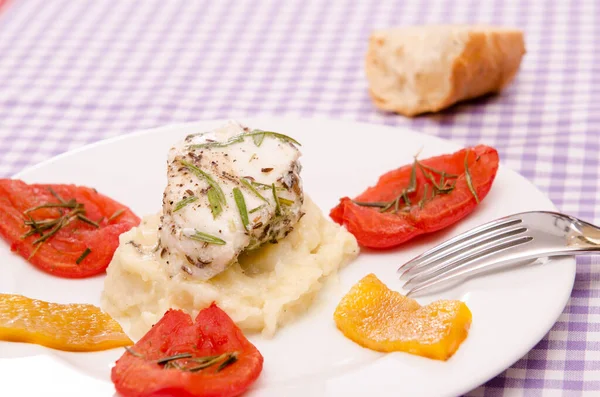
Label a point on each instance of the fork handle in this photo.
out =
(587, 237)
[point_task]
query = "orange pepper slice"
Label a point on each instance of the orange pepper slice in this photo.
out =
(70, 327)
(380, 319)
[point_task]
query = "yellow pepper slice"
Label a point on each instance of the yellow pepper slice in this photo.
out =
(384, 320)
(70, 327)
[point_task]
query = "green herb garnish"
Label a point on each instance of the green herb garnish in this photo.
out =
(277, 135)
(230, 360)
(207, 238)
(87, 220)
(285, 201)
(83, 255)
(50, 225)
(412, 185)
(258, 139)
(196, 364)
(70, 204)
(165, 360)
(253, 210)
(209, 179)
(257, 136)
(215, 205)
(424, 198)
(253, 189)
(133, 352)
(445, 185)
(59, 198)
(117, 214)
(62, 221)
(217, 197)
(374, 204)
(277, 205)
(241, 204)
(468, 178)
(187, 363)
(264, 186)
(184, 202)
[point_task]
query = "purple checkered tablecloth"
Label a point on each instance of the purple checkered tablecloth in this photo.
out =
(75, 72)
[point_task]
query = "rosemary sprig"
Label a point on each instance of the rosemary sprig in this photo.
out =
(87, 220)
(241, 205)
(395, 202)
(253, 210)
(468, 178)
(52, 192)
(226, 359)
(445, 185)
(412, 185)
(47, 228)
(62, 221)
(258, 139)
(424, 198)
(215, 204)
(264, 186)
(285, 201)
(374, 204)
(165, 360)
(259, 134)
(83, 255)
(430, 169)
(133, 352)
(39, 227)
(70, 204)
(248, 184)
(116, 214)
(184, 202)
(442, 186)
(35, 250)
(209, 179)
(277, 204)
(217, 144)
(230, 360)
(207, 238)
(273, 134)
(191, 363)
(205, 362)
(215, 194)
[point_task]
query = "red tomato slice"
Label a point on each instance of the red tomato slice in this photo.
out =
(375, 229)
(59, 254)
(139, 373)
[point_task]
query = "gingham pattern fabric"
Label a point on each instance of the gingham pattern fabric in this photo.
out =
(75, 72)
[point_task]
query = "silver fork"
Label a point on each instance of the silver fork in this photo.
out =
(512, 240)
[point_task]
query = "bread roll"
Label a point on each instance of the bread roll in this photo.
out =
(413, 70)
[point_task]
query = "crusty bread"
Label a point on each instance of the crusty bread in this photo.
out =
(420, 69)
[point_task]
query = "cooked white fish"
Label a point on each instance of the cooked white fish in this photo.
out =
(228, 190)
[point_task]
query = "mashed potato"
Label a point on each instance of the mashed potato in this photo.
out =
(266, 289)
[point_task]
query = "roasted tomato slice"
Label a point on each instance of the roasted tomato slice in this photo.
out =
(65, 230)
(419, 198)
(178, 357)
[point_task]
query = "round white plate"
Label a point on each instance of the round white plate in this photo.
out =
(512, 310)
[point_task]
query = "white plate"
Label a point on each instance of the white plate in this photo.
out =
(512, 311)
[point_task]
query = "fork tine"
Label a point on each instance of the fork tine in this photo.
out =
(459, 250)
(486, 227)
(466, 256)
(495, 256)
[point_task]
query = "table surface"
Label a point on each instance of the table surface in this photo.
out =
(75, 72)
